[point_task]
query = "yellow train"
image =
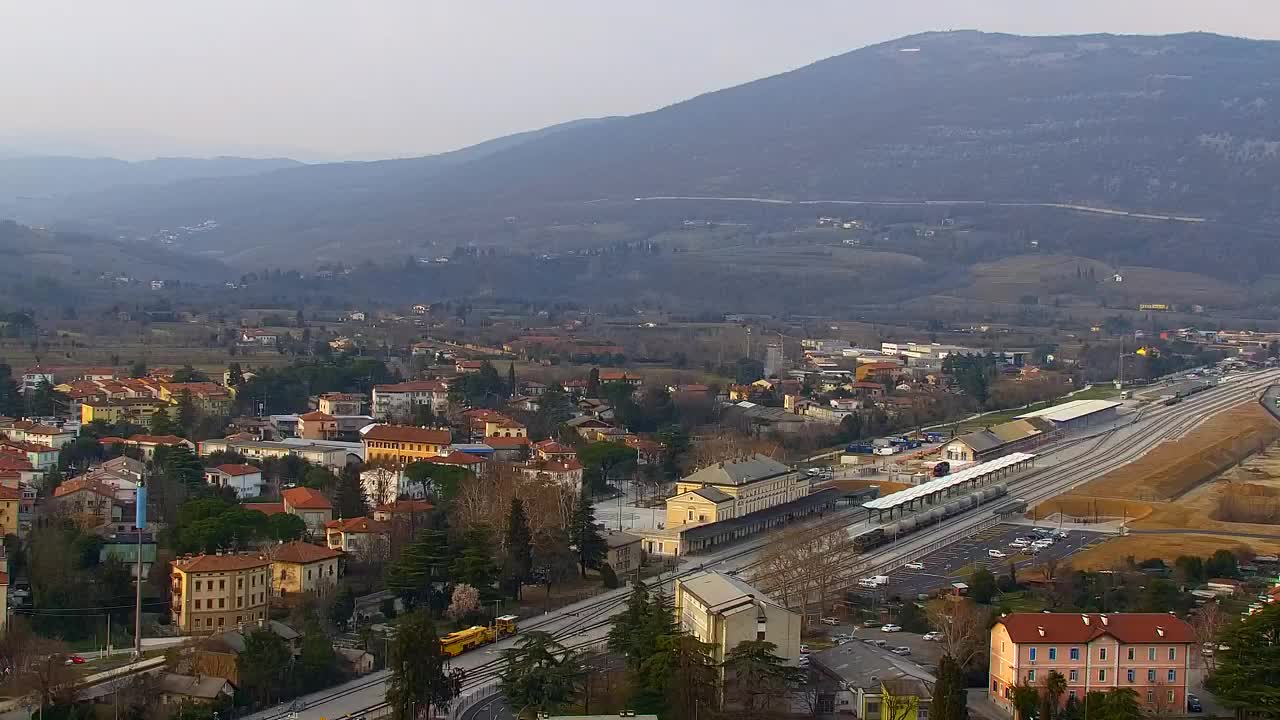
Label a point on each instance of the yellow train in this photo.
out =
(456, 643)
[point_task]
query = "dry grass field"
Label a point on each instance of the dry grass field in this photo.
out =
(1009, 279)
(1195, 482)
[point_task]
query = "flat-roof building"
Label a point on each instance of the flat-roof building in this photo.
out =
(722, 610)
(1076, 414)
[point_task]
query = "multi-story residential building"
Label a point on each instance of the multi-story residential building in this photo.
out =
(359, 535)
(317, 425)
(1149, 653)
(331, 454)
(298, 567)
(41, 457)
(723, 611)
(308, 504)
(396, 401)
(10, 500)
(336, 403)
(399, 445)
(137, 411)
(212, 593)
(245, 480)
(89, 502)
(734, 488)
(38, 434)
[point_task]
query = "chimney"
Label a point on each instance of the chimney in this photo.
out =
(1085, 618)
(1104, 618)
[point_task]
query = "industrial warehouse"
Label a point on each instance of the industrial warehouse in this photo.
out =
(1030, 430)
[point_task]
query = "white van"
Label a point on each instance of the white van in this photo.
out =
(996, 554)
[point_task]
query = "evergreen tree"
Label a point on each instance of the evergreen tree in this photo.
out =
(1055, 686)
(348, 494)
(519, 555)
(10, 398)
(421, 680)
(474, 564)
(593, 383)
(186, 413)
(541, 675)
(161, 423)
(235, 375)
(138, 369)
(43, 400)
(584, 533)
(757, 681)
(1247, 677)
(511, 379)
(421, 571)
(626, 635)
(950, 700)
(683, 677)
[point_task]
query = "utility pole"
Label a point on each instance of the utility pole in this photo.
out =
(140, 522)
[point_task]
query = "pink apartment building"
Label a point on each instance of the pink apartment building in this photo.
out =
(1149, 653)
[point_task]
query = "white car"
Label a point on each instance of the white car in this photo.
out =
(996, 554)
(932, 636)
(891, 628)
(830, 621)
(901, 650)
(1018, 544)
(914, 566)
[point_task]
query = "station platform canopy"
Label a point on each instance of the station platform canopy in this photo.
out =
(971, 474)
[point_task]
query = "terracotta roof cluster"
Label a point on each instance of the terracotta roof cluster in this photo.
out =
(28, 446)
(8, 492)
(220, 563)
(1128, 628)
(305, 498)
(303, 553)
(552, 447)
(408, 433)
(316, 416)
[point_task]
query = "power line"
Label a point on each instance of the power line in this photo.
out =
(89, 611)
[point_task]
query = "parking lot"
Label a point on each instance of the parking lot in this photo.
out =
(957, 561)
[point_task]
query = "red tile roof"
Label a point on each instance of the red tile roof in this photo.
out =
(357, 525)
(29, 446)
(1071, 627)
(266, 508)
(304, 498)
(156, 440)
(220, 563)
(237, 470)
(303, 553)
(84, 483)
(408, 433)
(10, 493)
(315, 416)
(551, 447)
(405, 506)
(455, 458)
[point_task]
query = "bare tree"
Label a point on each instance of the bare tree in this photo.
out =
(961, 627)
(1208, 623)
(35, 664)
(802, 566)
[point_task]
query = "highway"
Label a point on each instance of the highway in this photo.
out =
(1066, 465)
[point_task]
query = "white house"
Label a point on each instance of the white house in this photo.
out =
(395, 402)
(245, 480)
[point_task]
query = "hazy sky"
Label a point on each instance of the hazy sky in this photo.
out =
(376, 78)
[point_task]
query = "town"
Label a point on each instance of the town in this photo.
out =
(297, 527)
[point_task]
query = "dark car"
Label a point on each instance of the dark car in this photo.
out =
(1193, 704)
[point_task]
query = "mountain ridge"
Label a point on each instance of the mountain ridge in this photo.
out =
(1175, 123)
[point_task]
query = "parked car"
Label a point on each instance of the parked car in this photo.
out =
(901, 650)
(871, 623)
(891, 628)
(996, 554)
(1019, 544)
(74, 660)
(914, 566)
(932, 636)
(1193, 704)
(830, 621)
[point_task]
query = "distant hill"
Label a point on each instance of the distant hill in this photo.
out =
(39, 179)
(1183, 124)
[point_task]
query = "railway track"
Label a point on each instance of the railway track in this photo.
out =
(1035, 486)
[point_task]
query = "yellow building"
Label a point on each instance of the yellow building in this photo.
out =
(299, 567)
(137, 411)
(399, 445)
(722, 610)
(10, 497)
(208, 397)
(734, 488)
(213, 593)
